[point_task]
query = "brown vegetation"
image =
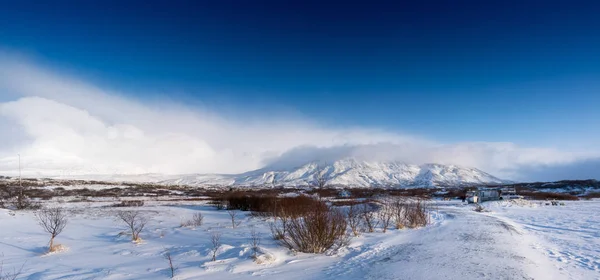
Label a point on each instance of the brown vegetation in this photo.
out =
(591, 195)
(547, 195)
(130, 203)
(409, 213)
(317, 231)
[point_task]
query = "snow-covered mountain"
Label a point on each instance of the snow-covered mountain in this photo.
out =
(350, 173)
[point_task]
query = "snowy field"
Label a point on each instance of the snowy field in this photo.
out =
(512, 241)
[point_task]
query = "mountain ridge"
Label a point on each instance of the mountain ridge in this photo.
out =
(350, 173)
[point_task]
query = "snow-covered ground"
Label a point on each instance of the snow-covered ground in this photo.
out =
(569, 235)
(510, 242)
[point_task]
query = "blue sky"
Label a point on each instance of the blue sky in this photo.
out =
(525, 72)
(454, 71)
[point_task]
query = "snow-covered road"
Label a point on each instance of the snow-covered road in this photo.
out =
(465, 245)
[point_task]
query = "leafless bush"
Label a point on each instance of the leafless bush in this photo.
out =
(196, 221)
(398, 210)
(216, 243)
(279, 227)
(385, 214)
(53, 221)
(408, 213)
(369, 217)
(254, 242)
(12, 275)
(417, 214)
(135, 221)
(169, 259)
(353, 218)
(315, 232)
(233, 215)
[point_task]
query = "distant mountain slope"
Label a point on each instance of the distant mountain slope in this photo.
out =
(351, 173)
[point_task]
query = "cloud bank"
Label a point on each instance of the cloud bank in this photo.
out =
(62, 125)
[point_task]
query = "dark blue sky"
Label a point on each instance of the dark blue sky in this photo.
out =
(520, 71)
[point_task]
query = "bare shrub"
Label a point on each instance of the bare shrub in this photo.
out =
(135, 222)
(385, 215)
(233, 215)
(268, 205)
(287, 208)
(316, 232)
(353, 218)
(410, 214)
(196, 221)
(9, 275)
(369, 218)
(254, 243)
(297, 206)
(216, 243)
(417, 214)
(53, 221)
(398, 210)
(169, 259)
(279, 227)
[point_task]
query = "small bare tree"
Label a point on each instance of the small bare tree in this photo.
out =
(53, 221)
(216, 243)
(353, 218)
(369, 218)
(233, 214)
(169, 259)
(135, 221)
(254, 242)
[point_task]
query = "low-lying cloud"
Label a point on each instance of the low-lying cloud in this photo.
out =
(64, 126)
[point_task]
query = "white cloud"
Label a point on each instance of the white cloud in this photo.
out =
(62, 125)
